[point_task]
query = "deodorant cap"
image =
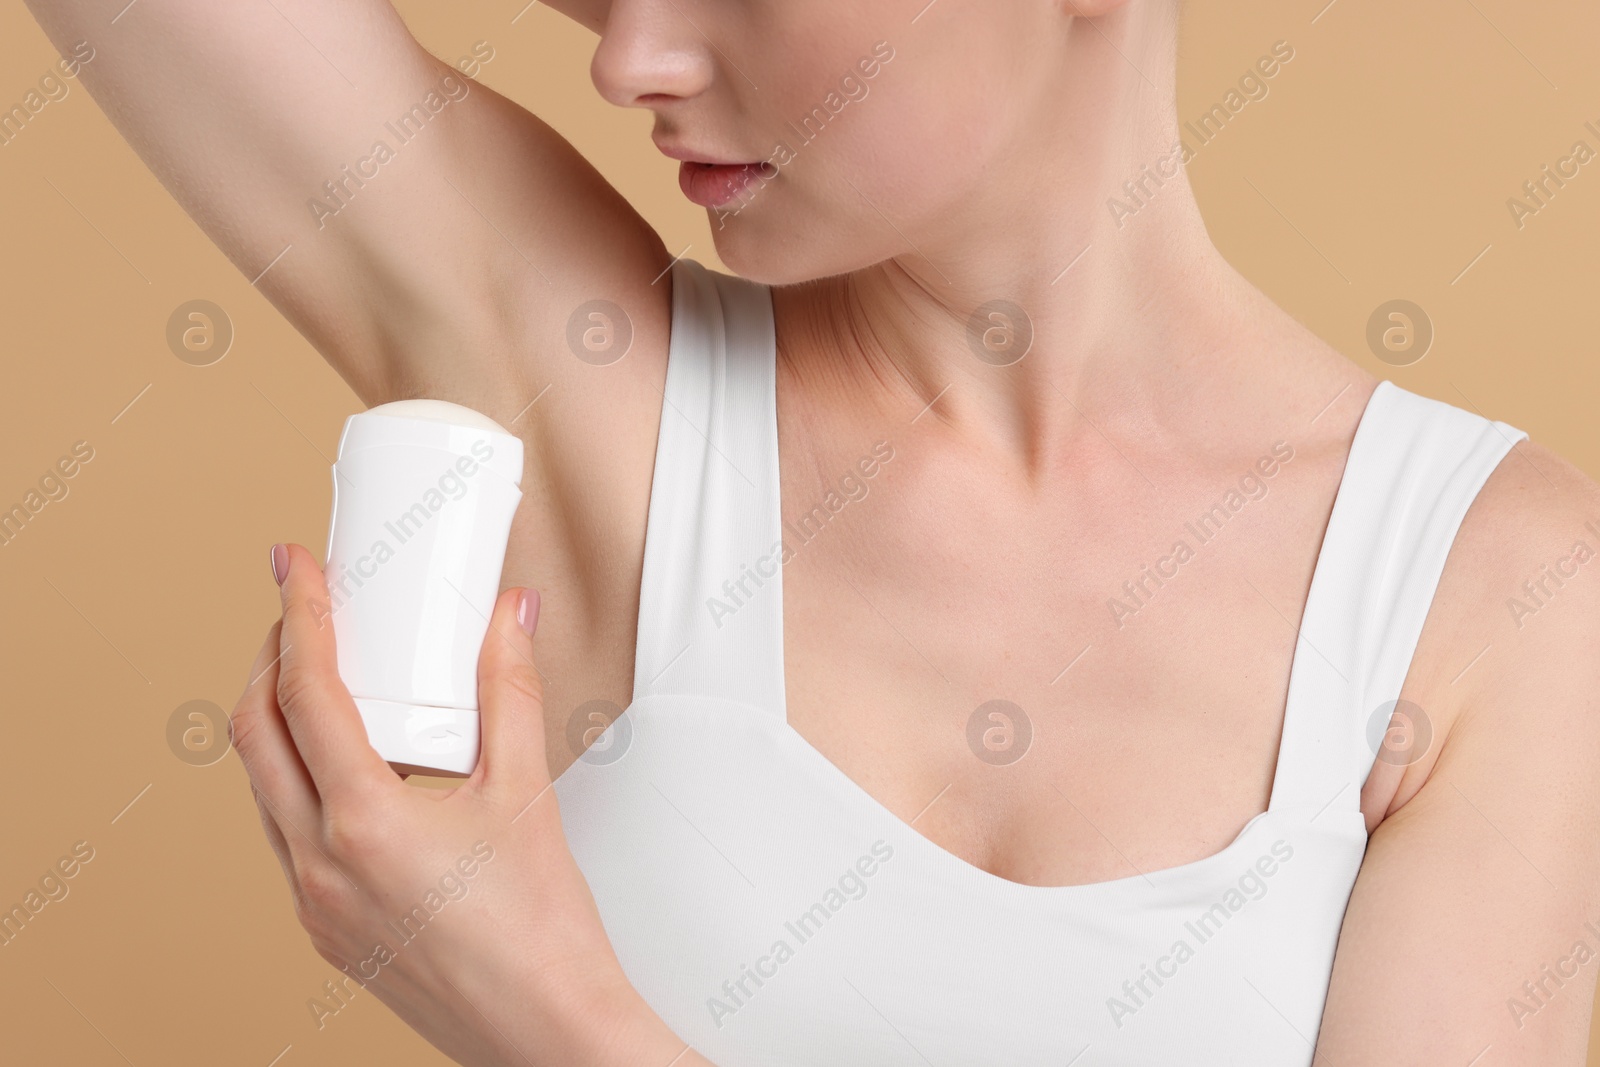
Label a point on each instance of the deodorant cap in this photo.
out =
(437, 411)
(436, 424)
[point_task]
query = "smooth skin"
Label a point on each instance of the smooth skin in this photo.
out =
(981, 562)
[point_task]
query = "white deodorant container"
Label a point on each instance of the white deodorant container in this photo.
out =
(423, 496)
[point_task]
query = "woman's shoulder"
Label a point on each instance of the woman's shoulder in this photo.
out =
(1508, 667)
(1526, 544)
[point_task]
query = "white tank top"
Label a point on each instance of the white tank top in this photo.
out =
(776, 914)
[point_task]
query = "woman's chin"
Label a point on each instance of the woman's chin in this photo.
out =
(774, 251)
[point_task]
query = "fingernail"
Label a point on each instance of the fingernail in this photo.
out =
(280, 563)
(528, 611)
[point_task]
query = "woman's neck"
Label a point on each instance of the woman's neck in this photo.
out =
(1078, 282)
(1015, 334)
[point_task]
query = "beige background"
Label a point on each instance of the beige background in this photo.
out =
(1378, 168)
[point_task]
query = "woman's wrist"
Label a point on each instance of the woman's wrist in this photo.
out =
(600, 1020)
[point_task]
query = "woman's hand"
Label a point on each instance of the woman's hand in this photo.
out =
(462, 910)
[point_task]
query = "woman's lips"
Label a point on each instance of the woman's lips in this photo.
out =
(716, 184)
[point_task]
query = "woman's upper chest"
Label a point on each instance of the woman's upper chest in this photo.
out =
(1059, 685)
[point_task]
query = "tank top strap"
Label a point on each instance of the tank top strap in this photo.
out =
(1415, 466)
(710, 598)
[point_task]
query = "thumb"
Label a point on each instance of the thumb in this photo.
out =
(511, 697)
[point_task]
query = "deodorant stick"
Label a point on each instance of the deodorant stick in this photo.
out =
(423, 496)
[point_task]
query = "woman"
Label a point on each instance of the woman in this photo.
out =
(1116, 675)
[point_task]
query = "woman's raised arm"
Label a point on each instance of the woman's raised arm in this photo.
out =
(427, 235)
